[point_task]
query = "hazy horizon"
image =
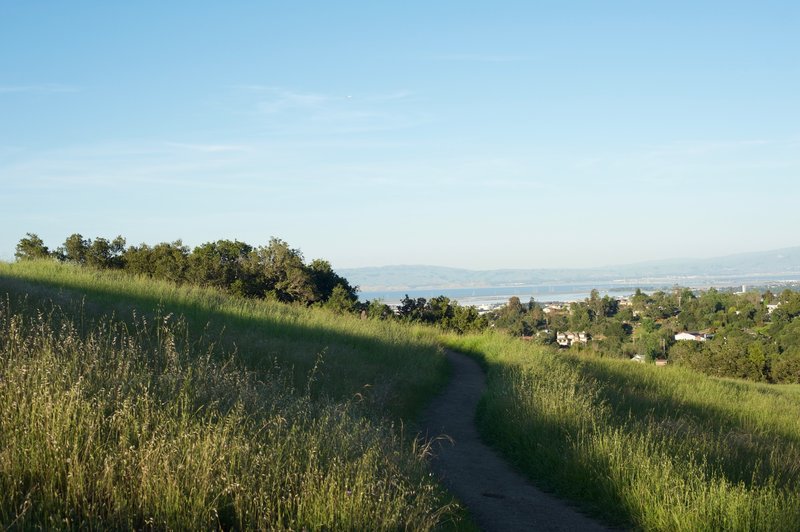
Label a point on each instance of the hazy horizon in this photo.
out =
(586, 267)
(514, 135)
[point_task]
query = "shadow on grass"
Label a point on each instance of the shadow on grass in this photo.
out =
(745, 457)
(544, 449)
(398, 377)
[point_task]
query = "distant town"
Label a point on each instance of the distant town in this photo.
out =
(554, 297)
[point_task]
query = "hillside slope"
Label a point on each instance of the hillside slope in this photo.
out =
(127, 403)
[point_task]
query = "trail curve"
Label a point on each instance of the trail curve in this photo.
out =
(497, 497)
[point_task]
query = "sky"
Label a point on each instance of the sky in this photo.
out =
(478, 135)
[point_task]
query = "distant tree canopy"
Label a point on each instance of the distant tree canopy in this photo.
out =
(746, 339)
(166, 260)
(31, 247)
(743, 338)
(441, 311)
(98, 253)
(274, 271)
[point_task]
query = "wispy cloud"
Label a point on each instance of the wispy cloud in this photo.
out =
(479, 58)
(40, 88)
(284, 100)
(391, 96)
(252, 167)
(692, 164)
(276, 99)
(209, 148)
(258, 167)
(287, 111)
(6, 151)
(699, 148)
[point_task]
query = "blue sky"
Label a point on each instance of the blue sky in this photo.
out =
(468, 134)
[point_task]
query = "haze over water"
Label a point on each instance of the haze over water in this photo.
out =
(569, 292)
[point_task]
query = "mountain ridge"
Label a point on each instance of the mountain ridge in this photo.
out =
(748, 264)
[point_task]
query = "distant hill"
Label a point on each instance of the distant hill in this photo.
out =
(740, 266)
(774, 262)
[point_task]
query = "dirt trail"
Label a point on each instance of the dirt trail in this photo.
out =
(497, 497)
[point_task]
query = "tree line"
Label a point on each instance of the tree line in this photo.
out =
(752, 335)
(275, 271)
(442, 311)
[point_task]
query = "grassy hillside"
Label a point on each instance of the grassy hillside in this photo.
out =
(131, 403)
(400, 366)
(653, 448)
(126, 402)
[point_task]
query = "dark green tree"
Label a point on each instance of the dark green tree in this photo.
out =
(511, 318)
(412, 309)
(31, 247)
(339, 300)
(326, 280)
(439, 310)
(786, 366)
(467, 319)
(285, 275)
(75, 249)
(223, 264)
(790, 303)
(377, 309)
(102, 253)
(167, 261)
(579, 317)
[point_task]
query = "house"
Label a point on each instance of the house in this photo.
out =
(637, 358)
(566, 339)
(692, 336)
(661, 362)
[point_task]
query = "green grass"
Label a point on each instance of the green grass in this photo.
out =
(122, 406)
(132, 403)
(394, 366)
(641, 446)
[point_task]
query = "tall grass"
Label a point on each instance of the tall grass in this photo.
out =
(653, 448)
(132, 403)
(135, 424)
(393, 366)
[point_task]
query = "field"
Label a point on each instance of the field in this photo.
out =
(642, 446)
(131, 403)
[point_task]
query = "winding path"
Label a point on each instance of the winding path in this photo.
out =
(497, 497)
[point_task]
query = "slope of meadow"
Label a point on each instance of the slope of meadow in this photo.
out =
(132, 403)
(642, 446)
(127, 403)
(400, 366)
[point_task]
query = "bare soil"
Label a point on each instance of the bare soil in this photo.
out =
(497, 497)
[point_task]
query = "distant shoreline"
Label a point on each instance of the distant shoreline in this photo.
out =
(575, 291)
